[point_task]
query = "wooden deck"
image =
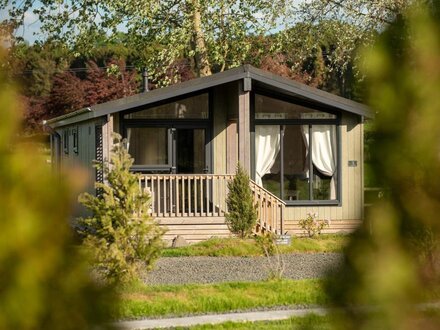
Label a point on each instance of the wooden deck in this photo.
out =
(194, 206)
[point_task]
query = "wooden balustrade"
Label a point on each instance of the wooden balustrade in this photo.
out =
(270, 210)
(187, 195)
(204, 195)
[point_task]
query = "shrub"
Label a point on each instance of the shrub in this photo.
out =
(311, 226)
(267, 243)
(120, 232)
(44, 279)
(242, 213)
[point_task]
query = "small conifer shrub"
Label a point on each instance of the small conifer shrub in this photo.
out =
(242, 213)
(120, 232)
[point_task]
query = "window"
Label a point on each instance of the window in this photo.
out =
(66, 141)
(170, 138)
(195, 107)
(271, 108)
(75, 140)
(297, 159)
(148, 145)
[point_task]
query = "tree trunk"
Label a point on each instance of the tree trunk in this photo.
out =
(201, 53)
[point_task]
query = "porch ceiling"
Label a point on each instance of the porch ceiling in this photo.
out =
(259, 78)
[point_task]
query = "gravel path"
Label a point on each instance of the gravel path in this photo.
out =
(185, 270)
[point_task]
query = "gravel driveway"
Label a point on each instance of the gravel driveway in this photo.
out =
(184, 270)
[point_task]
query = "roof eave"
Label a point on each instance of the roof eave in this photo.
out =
(58, 121)
(199, 84)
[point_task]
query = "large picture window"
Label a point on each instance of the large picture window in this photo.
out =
(297, 160)
(172, 137)
(194, 107)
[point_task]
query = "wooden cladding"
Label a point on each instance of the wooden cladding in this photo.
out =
(204, 196)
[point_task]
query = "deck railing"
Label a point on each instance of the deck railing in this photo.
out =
(204, 195)
(270, 210)
(187, 195)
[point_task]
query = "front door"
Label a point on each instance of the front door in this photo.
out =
(189, 154)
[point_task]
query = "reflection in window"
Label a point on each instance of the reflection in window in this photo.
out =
(295, 164)
(195, 107)
(273, 109)
(148, 145)
(190, 144)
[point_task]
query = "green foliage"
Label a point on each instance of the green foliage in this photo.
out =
(267, 243)
(140, 300)
(45, 282)
(216, 247)
(393, 260)
(242, 213)
(120, 232)
(214, 34)
(221, 247)
(310, 321)
(311, 226)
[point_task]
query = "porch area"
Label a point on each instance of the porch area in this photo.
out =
(194, 205)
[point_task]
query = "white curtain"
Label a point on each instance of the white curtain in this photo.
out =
(128, 139)
(323, 151)
(267, 147)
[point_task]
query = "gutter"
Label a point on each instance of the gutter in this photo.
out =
(66, 116)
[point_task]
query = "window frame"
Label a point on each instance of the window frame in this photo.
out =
(66, 141)
(289, 122)
(172, 125)
(75, 133)
(168, 101)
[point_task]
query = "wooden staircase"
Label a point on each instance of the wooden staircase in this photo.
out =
(194, 205)
(270, 210)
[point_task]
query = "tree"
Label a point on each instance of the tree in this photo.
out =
(68, 92)
(120, 232)
(393, 261)
(353, 23)
(242, 213)
(44, 278)
(214, 34)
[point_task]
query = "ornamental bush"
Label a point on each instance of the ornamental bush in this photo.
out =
(242, 213)
(311, 226)
(121, 233)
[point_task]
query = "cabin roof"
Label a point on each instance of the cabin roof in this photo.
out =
(253, 76)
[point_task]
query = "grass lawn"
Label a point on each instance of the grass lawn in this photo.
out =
(140, 300)
(311, 321)
(217, 247)
(307, 322)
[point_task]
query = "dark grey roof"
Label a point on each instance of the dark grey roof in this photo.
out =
(257, 76)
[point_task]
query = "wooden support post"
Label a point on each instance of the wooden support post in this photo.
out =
(244, 141)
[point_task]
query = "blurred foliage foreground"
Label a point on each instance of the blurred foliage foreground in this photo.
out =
(394, 260)
(44, 280)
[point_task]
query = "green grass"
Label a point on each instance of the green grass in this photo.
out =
(140, 300)
(217, 247)
(311, 321)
